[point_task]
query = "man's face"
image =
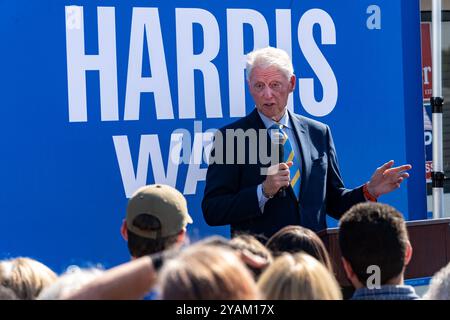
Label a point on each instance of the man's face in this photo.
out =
(270, 90)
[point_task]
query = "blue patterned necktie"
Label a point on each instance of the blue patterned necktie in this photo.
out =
(288, 155)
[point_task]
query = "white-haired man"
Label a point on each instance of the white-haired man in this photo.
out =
(307, 184)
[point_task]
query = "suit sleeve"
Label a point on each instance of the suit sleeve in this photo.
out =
(339, 199)
(225, 200)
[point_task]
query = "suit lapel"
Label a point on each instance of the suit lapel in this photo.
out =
(301, 132)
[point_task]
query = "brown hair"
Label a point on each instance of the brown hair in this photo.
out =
(248, 242)
(295, 239)
(205, 272)
(374, 234)
(139, 246)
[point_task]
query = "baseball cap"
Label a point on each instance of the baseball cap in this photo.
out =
(165, 203)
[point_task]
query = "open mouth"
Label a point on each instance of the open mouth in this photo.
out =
(269, 104)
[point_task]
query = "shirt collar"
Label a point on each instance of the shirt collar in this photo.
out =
(284, 121)
(386, 290)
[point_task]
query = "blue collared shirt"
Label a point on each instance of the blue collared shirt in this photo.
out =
(386, 292)
(288, 128)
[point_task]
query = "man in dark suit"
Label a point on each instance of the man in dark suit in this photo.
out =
(304, 185)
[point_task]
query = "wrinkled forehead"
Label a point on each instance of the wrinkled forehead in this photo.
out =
(267, 74)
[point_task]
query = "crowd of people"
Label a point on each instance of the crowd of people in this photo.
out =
(274, 252)
(293, 264)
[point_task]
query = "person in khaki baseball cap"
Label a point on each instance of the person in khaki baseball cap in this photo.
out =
(157, 217)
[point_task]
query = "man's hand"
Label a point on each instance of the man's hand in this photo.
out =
(278, 177)
(385, 178)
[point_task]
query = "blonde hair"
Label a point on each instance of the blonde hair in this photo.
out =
(439, 288)
(298, 277)
(25, 277)
(69, 282)
(269, 57)
(207, 272)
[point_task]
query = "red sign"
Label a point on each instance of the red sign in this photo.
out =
(425, 30)
(428, 169)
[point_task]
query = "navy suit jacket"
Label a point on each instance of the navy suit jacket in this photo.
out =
(230, 193)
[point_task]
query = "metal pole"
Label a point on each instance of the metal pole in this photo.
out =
(436, 105)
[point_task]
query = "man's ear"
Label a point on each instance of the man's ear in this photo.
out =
(181, 236)
(351, 275)
(347, 268)
(292, 82)
(408, 253)
(124, 230)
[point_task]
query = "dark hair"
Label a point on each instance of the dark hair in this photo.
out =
(374, 234)
(140, 246)
(295, 239)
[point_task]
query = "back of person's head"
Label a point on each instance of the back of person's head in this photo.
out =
(439, 288)
(269, 57)
(247, 242)
(26, 277)
(298, 277)
(156, 219)
(253, 253)
(206, 272)
(374, 234)
(70, 281)
(295, 239)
